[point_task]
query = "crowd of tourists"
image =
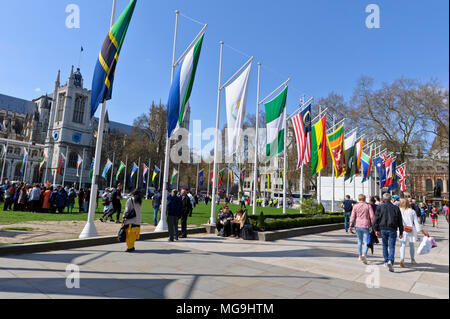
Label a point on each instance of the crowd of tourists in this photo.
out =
(391, 218)
(43, 198)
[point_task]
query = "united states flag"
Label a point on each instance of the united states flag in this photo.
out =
(401, 174)
(302, 128)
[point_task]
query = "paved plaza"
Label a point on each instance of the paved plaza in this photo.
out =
(206, 266)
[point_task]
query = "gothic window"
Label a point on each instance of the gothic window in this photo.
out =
(78, 112)
(73, 158)
(440, 183)
(17, 151)
(429, 185)
(36, 176)
(60, 111)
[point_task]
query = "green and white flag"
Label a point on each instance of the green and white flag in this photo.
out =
(236, 100)
(121, 167)
(350, 156)
(276, 125)
(174, 174)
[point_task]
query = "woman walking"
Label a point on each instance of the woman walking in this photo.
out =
(132, 219)
(411, 227)
(362, 219)
(434, 216)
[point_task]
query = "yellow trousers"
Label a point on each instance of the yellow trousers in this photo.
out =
(133, 234)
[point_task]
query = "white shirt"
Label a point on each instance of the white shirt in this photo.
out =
(410, 219)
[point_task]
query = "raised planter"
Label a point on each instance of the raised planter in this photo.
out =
(81, 243)
(295, 232)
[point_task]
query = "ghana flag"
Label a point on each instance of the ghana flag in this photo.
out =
(336, 145)
(102, 82)
(319, 146)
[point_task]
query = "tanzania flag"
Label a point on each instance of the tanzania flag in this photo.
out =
(102, 82)
(41, 165)
(91, 170)
(336, 145)
(121, 167)
(318, 146)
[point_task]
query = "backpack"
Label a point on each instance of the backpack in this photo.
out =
(248, 233)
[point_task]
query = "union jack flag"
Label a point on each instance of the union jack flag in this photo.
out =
(401, 174)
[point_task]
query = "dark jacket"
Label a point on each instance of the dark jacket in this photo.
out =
(187, 206)
(174, 206)
(157, 200)
(388, 217)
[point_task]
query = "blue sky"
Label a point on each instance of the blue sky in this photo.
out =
(323, 45)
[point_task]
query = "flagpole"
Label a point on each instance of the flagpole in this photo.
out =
(285, 162)
(138, 172)
(4, 160)
(159, 177)
(148, 177)
(334, 176)
(208, 178)
(178, 177)
(319, 178)
(81, 174)
(162, 223)
(65, 166)
(112, 170)
(56, 170)
(125, 174)
(196, 182)
(212, 220)
(258, 90)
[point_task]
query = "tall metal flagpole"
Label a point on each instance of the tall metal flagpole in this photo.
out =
(65, 166)
(319, 179)
(334, 176)
(212, 219)
(196, 181)
(148, 177)
(138, 172)
(178, 176)
(125, 173)
(162, 222)
(4, 160)
(112, 170)
(255, 178)
(81, 174)
(159, 177)
(90, 230)
(56, 170)
(285, 162)
(208, 178)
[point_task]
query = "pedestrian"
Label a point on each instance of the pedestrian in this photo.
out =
(446, 210)
(416, 208)
(46, 206)
(423, 214)
(173, 213)
(86, 199)
(434, 216)
(186, 210)
(71, 200)
(156, 206)
(411, 227)
(81, 201)
(61, 198)
(9, 194)
(34, 198)
(347, 205)
(362, 219)
(388, 219)
(132, 219)
(108, 209)
(243, 201)
(117, 205)
(206, 199)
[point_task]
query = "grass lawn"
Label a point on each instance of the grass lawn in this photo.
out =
(200, 215)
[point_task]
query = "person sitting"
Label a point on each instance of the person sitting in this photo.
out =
(238, 222)
(224, 219)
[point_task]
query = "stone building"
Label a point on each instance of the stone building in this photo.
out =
(56, 124)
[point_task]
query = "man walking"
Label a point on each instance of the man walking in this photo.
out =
(388, 219)
(156, 205)
(174, 207)
(185, 211)
(347, 205)
(116, 198)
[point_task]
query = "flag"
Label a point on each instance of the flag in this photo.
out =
(276, 124)
(102, 81)
(62, 159)
(282, 177)
(41, 165)
(389, 172)
(221, 174)
(236, 100)
(155, 173)
(107, 168)
(180, 91)
(174, 173)
(231, 177)
(319, 146)
(302, 128)
(366, 161)
(350, 156)
(200, 174)
(379, 165)
(91, 170)
(394, 184)
(401, 174)
(4, 150)
(268, 181)
(121, 167)
(133, 171)
(336, 146)
(24, 160)
(242, 178)
(212, 178)
(79, 161)
(144, 172)
(359, 149)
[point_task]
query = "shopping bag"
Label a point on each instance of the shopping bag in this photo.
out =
(424, 247)
(433, 242)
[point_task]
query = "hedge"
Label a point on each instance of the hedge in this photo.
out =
(285, 216)
(295, 222)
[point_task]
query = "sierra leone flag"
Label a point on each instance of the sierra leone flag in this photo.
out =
(276, 124)
(121, 167)
(180, 91)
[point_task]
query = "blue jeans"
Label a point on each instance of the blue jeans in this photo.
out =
(363, 236)
(403, 248)
(389, 237)
(347, 220)
(155, 215)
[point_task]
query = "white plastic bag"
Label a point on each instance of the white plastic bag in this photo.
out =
(424, 247)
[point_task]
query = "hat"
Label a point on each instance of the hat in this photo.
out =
(396, 197)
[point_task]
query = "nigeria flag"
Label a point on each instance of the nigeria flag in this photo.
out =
(276, 124)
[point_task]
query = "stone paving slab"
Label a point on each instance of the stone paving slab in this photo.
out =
(320, 266)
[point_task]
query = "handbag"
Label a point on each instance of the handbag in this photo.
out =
(407, 229)
(122, 236)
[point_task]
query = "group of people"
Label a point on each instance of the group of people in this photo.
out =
(229, 224)
(40, 198)
(111, 204)
(390, 219)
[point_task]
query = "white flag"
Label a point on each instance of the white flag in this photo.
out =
(236, 99)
